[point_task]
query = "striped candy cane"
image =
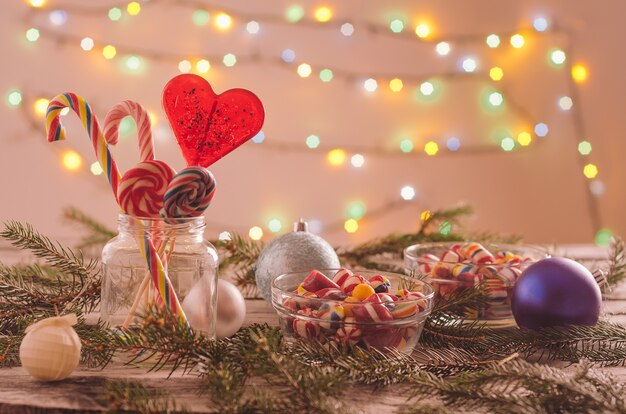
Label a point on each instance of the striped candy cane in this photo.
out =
(142, 120)
(56, 132)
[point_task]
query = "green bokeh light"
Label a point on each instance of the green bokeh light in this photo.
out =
(312, 141)
(127, 125)
(326, 75)
(584, 148)
(14, 98)
(603, 237)
(396, 26)
(445, 228)
(229, 60)
(32, 34)
(200, 17)
(115, 14)
(507, 144)
(294, 13)
(274, 225)
(356, 210)
(406, 145)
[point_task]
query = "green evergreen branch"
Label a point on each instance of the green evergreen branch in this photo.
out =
(617, 263)
(97, 233)
(23, 236)
(123, 396)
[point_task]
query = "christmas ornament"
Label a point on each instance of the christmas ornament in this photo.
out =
(208, 126)
(293, 252)
(50, 351)
(555, 292)
(231, 308)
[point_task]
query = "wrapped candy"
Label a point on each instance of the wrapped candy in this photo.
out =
(331, 314)
(380, 283)
(350, 283)
(349, 334)
(341, 276)
(316, 280)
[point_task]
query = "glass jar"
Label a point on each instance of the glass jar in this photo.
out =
(190, 261)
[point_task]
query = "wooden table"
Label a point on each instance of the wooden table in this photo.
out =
(19, 393)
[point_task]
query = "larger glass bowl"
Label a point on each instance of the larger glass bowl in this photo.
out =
(453, 267)
(395, 324)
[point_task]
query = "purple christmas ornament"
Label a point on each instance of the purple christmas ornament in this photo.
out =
(556, 292)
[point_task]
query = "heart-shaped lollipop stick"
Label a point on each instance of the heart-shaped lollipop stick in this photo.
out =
(208, 126)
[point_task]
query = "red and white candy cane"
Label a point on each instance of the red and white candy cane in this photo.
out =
(144, 128)
(56, 132)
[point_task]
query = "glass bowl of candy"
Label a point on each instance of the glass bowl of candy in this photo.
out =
(453, 267)
(363, 309)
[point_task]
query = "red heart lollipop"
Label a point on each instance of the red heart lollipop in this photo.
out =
(208, 126)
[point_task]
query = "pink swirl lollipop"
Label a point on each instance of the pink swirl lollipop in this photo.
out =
(189, 193)
(142, 188)
(144, 128)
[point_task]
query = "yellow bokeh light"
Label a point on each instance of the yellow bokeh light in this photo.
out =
(425, 215)
(72, 160)
(153, 118)
(431, 148)
(351, 225)
(590, 171)
(255, 233)
(304, 70)
(223, 21)
(579, 73)
(496, 73)
(524, 138)
(323, 14)
(109, 52)
(203, 66)
(396, 85)
(422, 30)
(133, 8)
(517, 41)
(41, 106)
(336, 157)
(37, 3)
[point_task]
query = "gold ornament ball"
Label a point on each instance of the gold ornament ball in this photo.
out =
(50, 351)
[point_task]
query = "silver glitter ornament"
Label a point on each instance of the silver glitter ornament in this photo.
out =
(299, 251)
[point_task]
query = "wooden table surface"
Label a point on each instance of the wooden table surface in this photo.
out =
(19, 393)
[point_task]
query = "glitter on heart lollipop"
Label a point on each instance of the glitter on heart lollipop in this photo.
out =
(189, 193)
(142, 188)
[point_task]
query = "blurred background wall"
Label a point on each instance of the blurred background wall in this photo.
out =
(496, 126)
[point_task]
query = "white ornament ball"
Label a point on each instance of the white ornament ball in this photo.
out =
(50, 351)
(299, 251)
(231, 308)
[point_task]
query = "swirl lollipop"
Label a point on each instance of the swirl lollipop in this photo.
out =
(189, 193)
(142, 188)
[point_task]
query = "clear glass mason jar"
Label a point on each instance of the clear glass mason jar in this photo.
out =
(190, 261)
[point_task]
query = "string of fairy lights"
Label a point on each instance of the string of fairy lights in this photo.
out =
(424, 88)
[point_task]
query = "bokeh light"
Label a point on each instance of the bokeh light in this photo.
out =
(496, 73)
(603, 237)
(255, 233)
(541, 129)
(579, 73)
(294, 13)
(590, 171)
(357, 160)
(229, 60)
(524, 138)
(312, 141)
(253, 27)
(407, 193)
(351, 225)
(493, 41)
(396, 25)
(496, 99)
(96, 169)
(540, 24)
(133, 8)
(427, 88)
(58, 17)
(32, 34)
(323, 14)
(304, 70)
(422, 30)
(14, 98)
(71, 160)
(115, 13)
(507, 144)
(469, 64)
(203, 66)
(453, 144)
(566, 103)
(86, 44)
(37, 3)
(406, 145)
(584, 147)
(223, 21)
(274, 225)
(356, 210)
(558, 57)
(109, 51)
(425, 215)
(431, 148)
(326, 75)
(259, 137)
(370, 85)
(184, 66)
(41, 106)
(443, 48)
(347, 29)
(336, 157)
(396, 85)
(517, 41)
(200, 17)
(288, 55)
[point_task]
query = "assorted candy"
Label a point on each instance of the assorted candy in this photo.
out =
(350, 310)
(465, 265)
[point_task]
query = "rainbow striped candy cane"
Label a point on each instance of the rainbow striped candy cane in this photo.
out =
(56, 132)
(159, 274)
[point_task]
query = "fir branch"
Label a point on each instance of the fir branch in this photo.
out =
(24, 236)
(617, 263)
(129, 396)
(452, 216)
(522, 387)
(97, 233)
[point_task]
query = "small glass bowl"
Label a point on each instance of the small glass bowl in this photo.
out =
(308, 318)
(497, 278)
